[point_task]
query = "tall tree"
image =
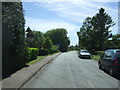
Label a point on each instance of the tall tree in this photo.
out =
(94, 32)
(101, 23)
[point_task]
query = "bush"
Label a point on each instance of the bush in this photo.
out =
(54, 49)
(43, 52)
(33, 53)
(100, 53)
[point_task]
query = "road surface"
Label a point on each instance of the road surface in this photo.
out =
(69, 71)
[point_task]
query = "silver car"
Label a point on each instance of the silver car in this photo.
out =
(84, 54)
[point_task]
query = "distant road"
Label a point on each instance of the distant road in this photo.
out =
(69, 71)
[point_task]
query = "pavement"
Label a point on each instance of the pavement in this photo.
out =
(19, 78)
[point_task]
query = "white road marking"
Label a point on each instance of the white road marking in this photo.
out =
(91, 84)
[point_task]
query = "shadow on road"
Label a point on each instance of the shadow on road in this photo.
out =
(114, 76)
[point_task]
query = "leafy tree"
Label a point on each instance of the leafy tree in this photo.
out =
(59, 38)
(116, 41)
(47, 44)
(38, 39)
(34, 38)
(71, 48)
(13, 34)
(94, 32)
(76, 47)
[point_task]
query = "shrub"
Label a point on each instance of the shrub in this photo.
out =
(33, 53)
(100, 53)
(43, 52)
(47, 44)
(54, 49)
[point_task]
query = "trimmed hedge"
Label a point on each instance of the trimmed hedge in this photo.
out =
(33, 53)
(43, 52)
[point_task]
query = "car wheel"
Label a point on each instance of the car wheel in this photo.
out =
(100, 67)
(111, 71)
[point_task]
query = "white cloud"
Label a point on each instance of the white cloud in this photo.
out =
(72, 10)
(77, 11)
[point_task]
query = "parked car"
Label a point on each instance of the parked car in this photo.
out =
(84, 54)
(110, 61)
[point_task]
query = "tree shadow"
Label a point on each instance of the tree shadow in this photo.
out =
(13, 71)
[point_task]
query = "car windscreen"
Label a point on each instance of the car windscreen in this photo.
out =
(84, 51)
(118, 55)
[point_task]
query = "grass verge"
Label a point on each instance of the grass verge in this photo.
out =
(96, 57)
(36, 60)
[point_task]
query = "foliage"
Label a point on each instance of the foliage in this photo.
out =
(71, 48)
(94, 32)
(59, 38)
(54, 49)
(38, 39)
(114, 42)
(34, 38)
(76, 47)
(43, 52)
(13, 34)
(47, 44)
(100, 53)
(33, 53)
(96, 57)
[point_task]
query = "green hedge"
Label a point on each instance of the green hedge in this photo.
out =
(33, 53)
(54, 49)
(100, 53)
(43, 52)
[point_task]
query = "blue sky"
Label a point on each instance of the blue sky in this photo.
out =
(44, 15)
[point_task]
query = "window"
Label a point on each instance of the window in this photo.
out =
(109, 54)
(84, 51)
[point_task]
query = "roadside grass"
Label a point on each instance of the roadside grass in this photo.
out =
(96, 57)
(38, 59)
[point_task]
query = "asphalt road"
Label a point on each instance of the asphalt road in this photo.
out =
(69, 71)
